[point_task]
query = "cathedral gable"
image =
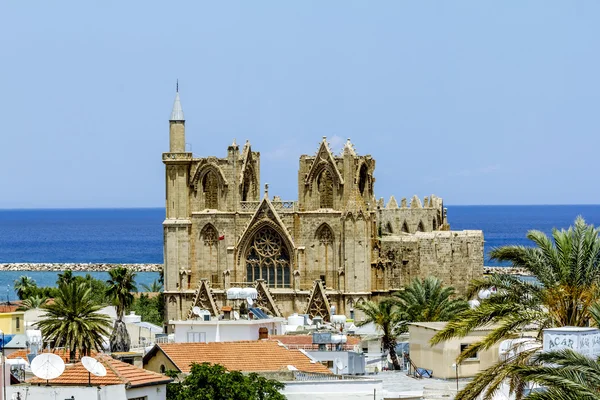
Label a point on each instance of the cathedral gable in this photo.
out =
(318, 302)
(324, 160)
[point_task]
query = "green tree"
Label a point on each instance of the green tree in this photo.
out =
(428, 300)
(561, 375)
(384, 316)
(32, 302)
(72, 321)
(154, 287)
(214, 382)
(566, 268)
(25, 286)
(149, 309)
(120, 286)
(66, 277)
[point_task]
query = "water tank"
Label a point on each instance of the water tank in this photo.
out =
(234, 293)
(338, 319)
(132, 318)
(248, 292)
(337, 339)
(296, 320)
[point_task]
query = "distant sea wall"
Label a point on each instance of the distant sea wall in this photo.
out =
(83, 267)
(505, 270)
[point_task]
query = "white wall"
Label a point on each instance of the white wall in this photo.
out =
(113, 392)
(334, 390)
(158, 392)
(229, 331)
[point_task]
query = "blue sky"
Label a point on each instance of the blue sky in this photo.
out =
(478, 102)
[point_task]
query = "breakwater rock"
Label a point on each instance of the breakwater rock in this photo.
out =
(83, 267)
(505, 270)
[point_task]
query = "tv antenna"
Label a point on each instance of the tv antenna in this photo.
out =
(47, 366)
(196, 310)
(93, 366)
(250, 301)
(339, 364)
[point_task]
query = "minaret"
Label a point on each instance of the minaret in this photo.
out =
(177, 223)
(177, 126)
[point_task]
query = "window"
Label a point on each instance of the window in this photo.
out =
(196, 337)
(475, 356)
(325, 185)
(268, 259)
(162, 368)
(210, 187)
(18, 323)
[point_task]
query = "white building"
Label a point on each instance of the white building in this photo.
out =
(199, 331)
(122, 382)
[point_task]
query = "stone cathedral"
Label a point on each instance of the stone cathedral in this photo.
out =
(336, 246)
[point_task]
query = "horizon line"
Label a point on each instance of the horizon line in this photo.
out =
(163, 208)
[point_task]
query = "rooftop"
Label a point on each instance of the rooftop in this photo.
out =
(307, 339)
(245, 356)
(117, 373)
(62, 353)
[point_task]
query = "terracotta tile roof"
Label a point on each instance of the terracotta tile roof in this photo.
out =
(117, 373)
(307, 339)
(245, 356)
(62, 353)
(5, 308)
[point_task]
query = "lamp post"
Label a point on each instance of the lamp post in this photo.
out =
(455, 367)
(3, 367)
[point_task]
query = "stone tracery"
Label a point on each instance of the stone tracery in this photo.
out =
(268, 259)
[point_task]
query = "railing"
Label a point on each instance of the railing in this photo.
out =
(313, 347)
(177, 156)
(278, 205)
(315, 376)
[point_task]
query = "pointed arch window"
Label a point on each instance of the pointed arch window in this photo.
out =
(248, 188)
(388, 228)
(268, 259)
(325, 185)
(405, 227)
(210, 187)
(362, 181)
(420, 228)
(209, 235)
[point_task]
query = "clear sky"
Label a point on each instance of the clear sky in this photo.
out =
(478, 102)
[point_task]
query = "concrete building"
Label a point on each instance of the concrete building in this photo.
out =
(199, 331)
(12, 322)
(335, 246)
(122, 382)
(441, 357)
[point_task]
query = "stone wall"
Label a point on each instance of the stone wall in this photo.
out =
(456, 257)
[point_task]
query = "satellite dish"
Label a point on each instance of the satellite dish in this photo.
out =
(47, 366)
(339, 363)
(250, 301)
(93, 366)
(196, 310)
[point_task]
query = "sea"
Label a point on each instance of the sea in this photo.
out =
(135, 235)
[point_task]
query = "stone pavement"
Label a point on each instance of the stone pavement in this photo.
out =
(398, 385)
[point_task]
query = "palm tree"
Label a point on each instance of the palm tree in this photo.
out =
(566, 269)
(384, 316)
(24, 286)
(120, 286)
(154, 287)
(65, 277)
(32, 302)
(563, 374)
(428, 301)
(72, 321)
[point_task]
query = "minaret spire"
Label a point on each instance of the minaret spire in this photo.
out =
(177, 113)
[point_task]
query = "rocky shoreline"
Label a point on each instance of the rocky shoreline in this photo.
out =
(79, 267)
(505, 270)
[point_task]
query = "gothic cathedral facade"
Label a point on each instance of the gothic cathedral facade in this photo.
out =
(334, 247)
